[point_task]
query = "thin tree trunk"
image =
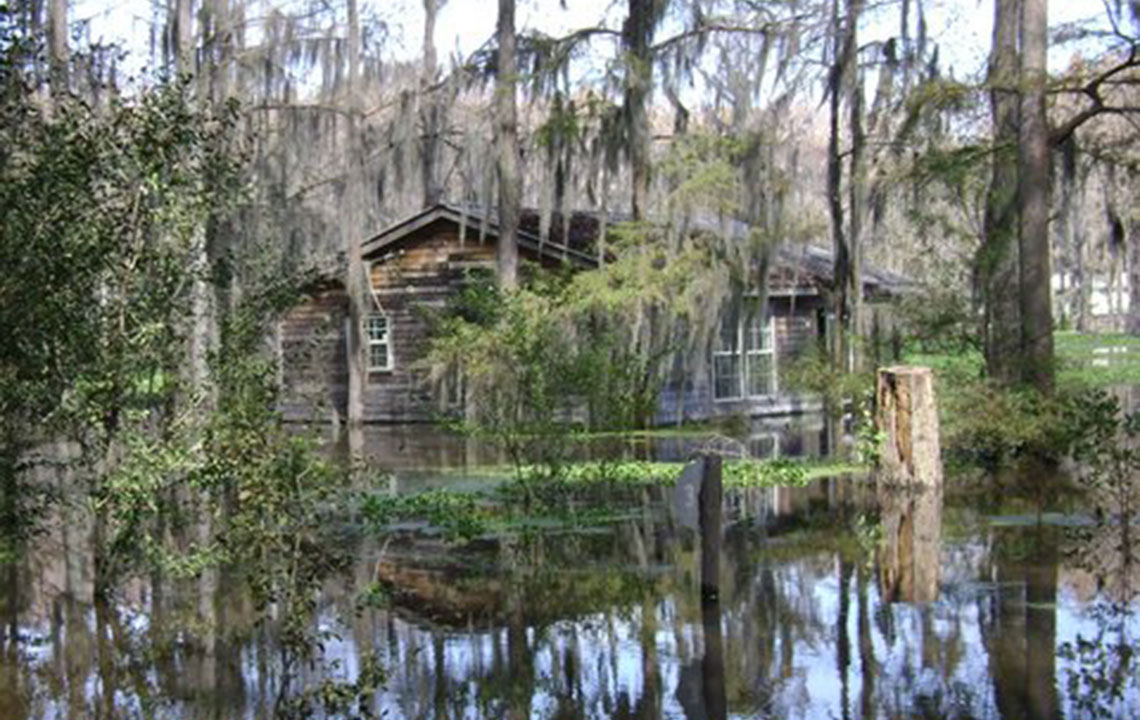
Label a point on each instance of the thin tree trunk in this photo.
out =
(506, 126)
(1132, 321)
(202, 308)
(184, 37)
(858, 185)
(1033, 161)
(997, 263)
(840, 90)
(430, 110)
(354, 219)
(638, 84)
(60, 56)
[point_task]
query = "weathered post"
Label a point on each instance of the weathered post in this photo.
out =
(908, 417)
(710, 524)
(713, 691)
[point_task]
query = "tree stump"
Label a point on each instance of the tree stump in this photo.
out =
(908, 418)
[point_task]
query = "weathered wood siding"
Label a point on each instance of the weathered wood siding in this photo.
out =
(410, 285)
(410, 282)
(314, 365)
(416, 276)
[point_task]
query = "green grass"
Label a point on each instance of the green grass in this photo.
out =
(1075, 352)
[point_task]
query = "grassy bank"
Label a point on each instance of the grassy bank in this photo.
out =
(1083, 361)
(985, 424)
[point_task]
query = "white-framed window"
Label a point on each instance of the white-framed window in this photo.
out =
(379, 335)
(744, 357)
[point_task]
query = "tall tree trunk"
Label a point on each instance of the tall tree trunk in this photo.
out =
(1132, 321)
(636, 36)
(60, 55)
(507, 141)
(354, 220)
(183, 37)
(1033, 188)
(997, 262)
(841, 90)
(203, 310)
(858, 189)
(430, 110)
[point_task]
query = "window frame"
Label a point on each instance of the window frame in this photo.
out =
(386, 342)
(744, 357)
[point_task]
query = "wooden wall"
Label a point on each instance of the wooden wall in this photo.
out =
(415, 279)
(313, 362)
(410, 286)
(410, 283)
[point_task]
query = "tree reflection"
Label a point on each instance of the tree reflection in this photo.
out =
(1021, 622)
(818, 616)
(908, 555)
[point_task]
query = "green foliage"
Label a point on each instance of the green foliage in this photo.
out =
(582, 494)
(940, 320)
(98, 215)
(985, 424)
(590, 351)
(842, 392)
(460, 516)
(1105, 442)
(105, 215)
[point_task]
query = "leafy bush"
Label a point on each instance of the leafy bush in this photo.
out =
(588, 351)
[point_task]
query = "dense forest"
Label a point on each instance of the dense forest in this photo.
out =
(165, 205)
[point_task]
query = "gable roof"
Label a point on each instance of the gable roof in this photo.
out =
(391, 237)
(793, 268)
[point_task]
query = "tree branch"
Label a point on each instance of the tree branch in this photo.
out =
(708, 28)
(1099, 106)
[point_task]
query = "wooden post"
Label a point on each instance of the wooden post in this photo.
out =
(712, 662)
(908, 417)
(710, 524)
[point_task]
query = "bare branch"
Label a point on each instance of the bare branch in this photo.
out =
(1092, 90)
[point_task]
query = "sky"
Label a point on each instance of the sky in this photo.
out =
(960, 27)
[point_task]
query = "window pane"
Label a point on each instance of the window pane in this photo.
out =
(726, 376)
(759, 333)
(378, 328)
(760, 373)
(378, 356)
(726, 339)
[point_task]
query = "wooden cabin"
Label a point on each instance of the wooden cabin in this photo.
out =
(415, 266)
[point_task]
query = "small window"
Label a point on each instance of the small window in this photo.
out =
(379, 343)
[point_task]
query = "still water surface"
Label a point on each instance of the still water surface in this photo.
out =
(838, 600)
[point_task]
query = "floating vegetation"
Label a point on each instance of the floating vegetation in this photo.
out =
(580, 495)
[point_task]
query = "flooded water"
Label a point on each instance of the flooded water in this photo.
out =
(839, 600)
(410, 448)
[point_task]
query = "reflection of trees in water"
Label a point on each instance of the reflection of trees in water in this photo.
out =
(1020, 624)
(1100, 674)
(1108, 557)
(609, 624)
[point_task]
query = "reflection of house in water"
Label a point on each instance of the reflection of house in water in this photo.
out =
(416, 265)
(605, 622)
